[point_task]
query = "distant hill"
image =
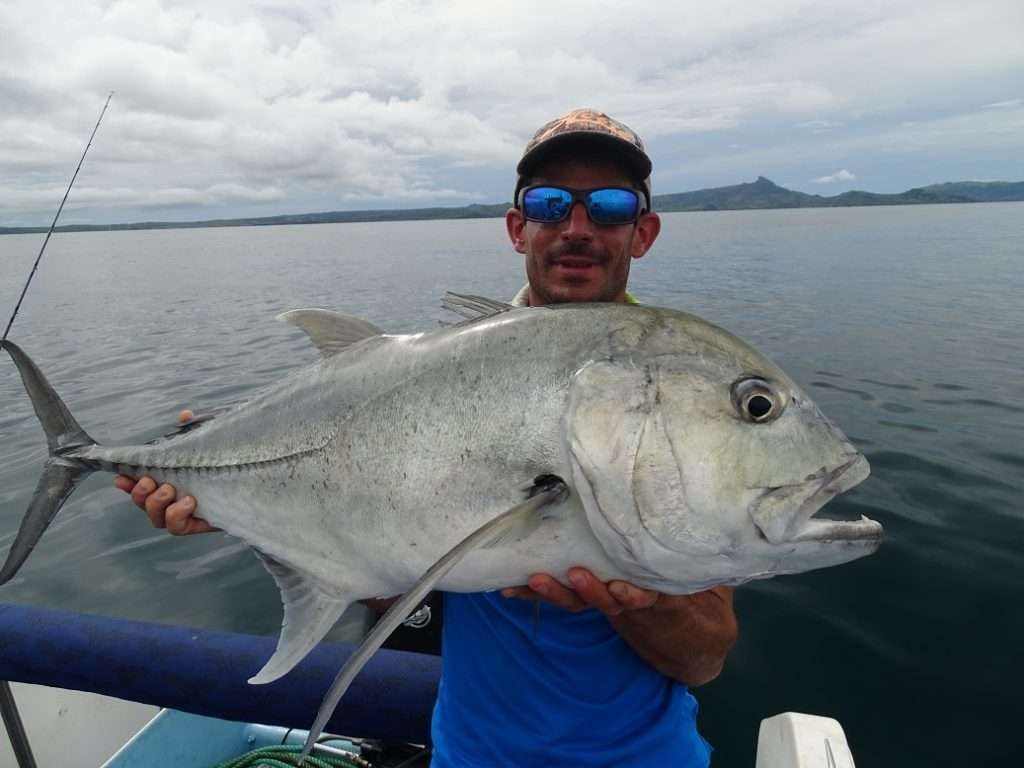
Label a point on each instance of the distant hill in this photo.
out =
(981, 191)
(475, 211)
(762, 193)
(757, 194)
(765, 193)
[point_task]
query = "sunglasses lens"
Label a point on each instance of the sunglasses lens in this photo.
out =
(613, 206)
(547, 203)
(604, 206)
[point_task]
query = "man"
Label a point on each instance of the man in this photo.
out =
(600, 678)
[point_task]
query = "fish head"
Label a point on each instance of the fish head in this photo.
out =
(699, 462)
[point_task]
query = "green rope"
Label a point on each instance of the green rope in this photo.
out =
(285, 756)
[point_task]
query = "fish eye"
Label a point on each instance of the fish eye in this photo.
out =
(756, 400)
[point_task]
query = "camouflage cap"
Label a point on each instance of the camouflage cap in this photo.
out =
(589, 125)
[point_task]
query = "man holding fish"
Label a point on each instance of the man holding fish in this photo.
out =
(602, 676)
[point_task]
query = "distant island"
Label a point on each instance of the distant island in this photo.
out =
(760, 194)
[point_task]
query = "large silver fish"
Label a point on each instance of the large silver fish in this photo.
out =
(658, 448)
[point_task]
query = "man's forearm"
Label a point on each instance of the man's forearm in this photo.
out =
(686, 638)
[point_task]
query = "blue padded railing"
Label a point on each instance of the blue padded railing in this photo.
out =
(205, 672)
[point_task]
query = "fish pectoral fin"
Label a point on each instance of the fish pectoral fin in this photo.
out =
(309, 614)
(331, 332)
(520, 527)
(547, 493)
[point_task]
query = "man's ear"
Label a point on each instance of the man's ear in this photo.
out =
(647, 228)
(516, 226)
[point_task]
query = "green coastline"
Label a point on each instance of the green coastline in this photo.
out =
(756, 195)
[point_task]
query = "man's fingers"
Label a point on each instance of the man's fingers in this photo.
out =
(180, 521)
(523, 593)
(593, 592)
(632, 597)
(178, 515)
(543, 587)
(157, 503)
(550, 590)
(161, 507)
(142, 490)
(587, 591)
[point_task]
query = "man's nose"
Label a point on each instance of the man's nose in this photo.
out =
(578, 225)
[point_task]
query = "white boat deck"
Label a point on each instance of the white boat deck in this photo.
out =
(73, 729)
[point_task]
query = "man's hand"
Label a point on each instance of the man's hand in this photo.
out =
(685, 637)
(160, 504)
(587, 591)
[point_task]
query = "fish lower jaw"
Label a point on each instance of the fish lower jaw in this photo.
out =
(825, 531)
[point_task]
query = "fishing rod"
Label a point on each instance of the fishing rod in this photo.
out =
(67, 192)
(9, 710)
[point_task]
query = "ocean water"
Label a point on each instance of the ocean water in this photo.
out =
(903, 323)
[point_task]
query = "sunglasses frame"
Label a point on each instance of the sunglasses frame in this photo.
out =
(580, 196)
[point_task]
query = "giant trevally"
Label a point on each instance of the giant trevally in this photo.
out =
(658, 448)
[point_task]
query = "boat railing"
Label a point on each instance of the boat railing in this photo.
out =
(205, 672)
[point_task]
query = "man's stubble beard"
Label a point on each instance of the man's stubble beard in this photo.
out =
(560, 293)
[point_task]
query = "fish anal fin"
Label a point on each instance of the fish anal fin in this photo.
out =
(331, 332)
(309, 614)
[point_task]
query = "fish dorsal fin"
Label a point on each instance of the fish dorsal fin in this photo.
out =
(309, 614)
(331, 332)
(523, 518)
(473, 307)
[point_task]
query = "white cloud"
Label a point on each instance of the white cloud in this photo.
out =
(966, 135)
(1006, 104)
(840, 175)
(151, 197)
(420, 100)
(818, 125)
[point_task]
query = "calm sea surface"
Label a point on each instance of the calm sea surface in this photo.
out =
(905, 324)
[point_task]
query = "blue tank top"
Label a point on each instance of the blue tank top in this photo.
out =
(573, 695)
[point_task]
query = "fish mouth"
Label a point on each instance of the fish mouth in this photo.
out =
(817, 491)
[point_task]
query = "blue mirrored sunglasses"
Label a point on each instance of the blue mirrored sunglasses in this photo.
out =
(607, 205)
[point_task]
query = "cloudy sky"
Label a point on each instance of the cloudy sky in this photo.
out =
(265, 106)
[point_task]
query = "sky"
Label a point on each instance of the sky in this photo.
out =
(263, 107)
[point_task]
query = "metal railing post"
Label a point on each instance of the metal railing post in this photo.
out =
(15, 730)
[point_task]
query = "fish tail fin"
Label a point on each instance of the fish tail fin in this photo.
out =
(61, 475)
